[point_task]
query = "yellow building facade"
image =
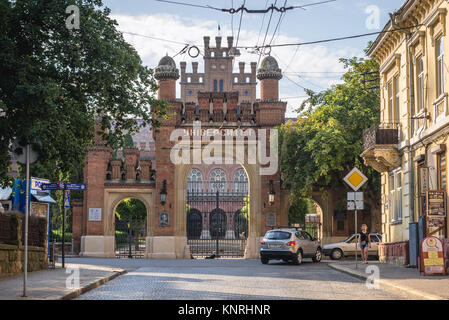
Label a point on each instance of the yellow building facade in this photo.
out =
(409, 146)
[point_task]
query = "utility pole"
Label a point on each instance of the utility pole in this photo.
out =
(27, 202)
(356, 237)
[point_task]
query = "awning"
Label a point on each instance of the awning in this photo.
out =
(5, 194)
(42, 196)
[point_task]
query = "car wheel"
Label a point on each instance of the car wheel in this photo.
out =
(336, 254)
(318, 255)
(298, 258)
(285, 260)
(264, 260)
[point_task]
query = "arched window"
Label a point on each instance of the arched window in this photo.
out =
(195, 181)
(217, 180)
(240, 181)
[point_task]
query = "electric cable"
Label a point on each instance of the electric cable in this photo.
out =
(243, 8)
(330, 40)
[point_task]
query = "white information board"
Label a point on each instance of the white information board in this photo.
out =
(94, 214)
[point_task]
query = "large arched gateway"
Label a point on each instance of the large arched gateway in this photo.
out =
(211, 166)
(217, 210)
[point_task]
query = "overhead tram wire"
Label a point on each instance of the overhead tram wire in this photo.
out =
(240, 25)
(154, 38)
(243, 8)
(261, 27)
(278, 24)
(265, 37)
(232, 19)
(238, 35)
(329, 40)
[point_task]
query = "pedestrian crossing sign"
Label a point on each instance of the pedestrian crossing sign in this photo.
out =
(355, 179)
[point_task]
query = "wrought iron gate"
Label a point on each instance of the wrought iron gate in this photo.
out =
(217, 218)
(130, 238)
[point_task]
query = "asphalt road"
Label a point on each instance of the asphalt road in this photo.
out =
(235, 279)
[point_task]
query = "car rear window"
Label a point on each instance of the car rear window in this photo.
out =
(277, 235)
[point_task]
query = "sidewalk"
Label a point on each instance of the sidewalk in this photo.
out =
(400, 280)
(51, 284)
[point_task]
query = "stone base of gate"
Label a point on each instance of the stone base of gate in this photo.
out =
(97, 246)
(167, 247)
(252, 248)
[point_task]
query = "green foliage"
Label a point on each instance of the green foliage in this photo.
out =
(56, 235)
(244, 212)
(298, 210)
(325, 142)
(129, 141)
(131, 209)
(54, 81)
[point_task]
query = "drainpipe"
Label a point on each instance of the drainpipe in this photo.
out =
(411, 193)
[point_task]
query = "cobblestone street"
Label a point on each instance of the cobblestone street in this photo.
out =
(227, 279)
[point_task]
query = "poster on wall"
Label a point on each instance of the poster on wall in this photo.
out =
(424, 180)
(432, 256)
(38, 209)
(436, 203)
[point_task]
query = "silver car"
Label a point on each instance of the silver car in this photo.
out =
(347, 247)
(289, 244)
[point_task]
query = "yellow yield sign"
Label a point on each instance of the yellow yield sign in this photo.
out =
(355, 179)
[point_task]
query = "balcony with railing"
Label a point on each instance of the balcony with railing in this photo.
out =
(380, 144)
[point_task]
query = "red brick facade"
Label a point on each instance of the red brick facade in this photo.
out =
(228, 109)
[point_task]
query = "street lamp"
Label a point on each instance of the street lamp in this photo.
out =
(163, 193)
(271, 193)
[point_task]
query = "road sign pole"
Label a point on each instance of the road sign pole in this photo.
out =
(63, 230)
(27, 202)
(356, 237)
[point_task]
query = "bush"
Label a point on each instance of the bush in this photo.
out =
(56, 235)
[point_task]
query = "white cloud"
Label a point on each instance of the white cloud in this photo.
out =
(310, 60)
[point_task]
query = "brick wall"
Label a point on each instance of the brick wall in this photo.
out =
(394, 253)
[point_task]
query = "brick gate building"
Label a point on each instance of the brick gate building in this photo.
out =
(224, 104)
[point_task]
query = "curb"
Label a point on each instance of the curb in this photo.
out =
(388, 285)
(90, 286)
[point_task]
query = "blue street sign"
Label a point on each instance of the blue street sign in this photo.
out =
(67, 202)
(49, 186)
(75, 186)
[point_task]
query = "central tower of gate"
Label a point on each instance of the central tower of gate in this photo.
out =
(217, 105)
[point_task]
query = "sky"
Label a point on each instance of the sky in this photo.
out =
(314, 67)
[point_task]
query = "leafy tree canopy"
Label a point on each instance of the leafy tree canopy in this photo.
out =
(131, 209)
(55, 81)
(326, 141)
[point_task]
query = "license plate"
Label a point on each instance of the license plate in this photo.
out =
(274, 245)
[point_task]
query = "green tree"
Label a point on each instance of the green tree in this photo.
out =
(326, 141)
(131, 209)
(55, 81)
(297, 211)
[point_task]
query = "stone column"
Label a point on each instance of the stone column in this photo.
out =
(116, 169)
(131, 157)
(145, 167)
(77, 222)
